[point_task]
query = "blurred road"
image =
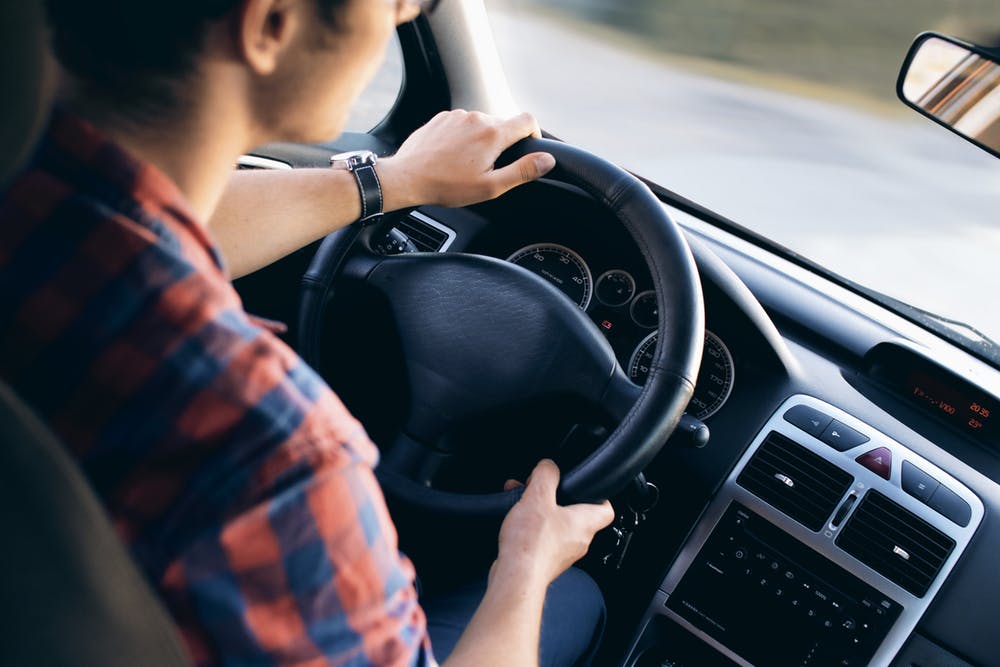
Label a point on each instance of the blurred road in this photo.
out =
(893, 202)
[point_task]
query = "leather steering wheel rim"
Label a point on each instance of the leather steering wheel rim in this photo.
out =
(646, 424)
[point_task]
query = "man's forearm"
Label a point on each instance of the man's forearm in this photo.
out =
(265, 215)
(505, 629)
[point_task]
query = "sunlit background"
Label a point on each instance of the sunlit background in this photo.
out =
(782, 115)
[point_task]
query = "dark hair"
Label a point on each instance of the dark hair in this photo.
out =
(132, 53)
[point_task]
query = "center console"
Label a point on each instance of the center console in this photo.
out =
(824, 547)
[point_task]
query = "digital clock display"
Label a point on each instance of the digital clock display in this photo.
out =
(937, 391)
(972, 412)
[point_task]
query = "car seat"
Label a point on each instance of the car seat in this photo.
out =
(71, 594)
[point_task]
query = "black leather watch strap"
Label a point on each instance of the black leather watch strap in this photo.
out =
(371, 194)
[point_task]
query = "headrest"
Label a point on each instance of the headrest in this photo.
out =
(27, 75)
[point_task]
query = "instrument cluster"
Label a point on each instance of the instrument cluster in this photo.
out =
(628, 318)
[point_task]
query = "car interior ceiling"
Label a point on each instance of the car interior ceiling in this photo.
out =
(802, 350)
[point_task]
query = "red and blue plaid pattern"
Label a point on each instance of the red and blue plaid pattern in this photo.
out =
(241, 484)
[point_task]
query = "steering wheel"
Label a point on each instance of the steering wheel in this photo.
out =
(479, 333)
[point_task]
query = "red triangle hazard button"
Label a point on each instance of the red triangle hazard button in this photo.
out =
(879, 461)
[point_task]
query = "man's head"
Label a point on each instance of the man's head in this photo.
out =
(299, 64)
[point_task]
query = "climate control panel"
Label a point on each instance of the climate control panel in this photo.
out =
(825, 546)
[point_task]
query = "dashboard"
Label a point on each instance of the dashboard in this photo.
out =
(915, 446)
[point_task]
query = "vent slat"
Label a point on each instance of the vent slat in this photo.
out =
(782, 459)
(887, 507)
(817, 485)
(869, 540)
(878, 526)
(797, 469)
(906, 578)
(874, 526)
(766, 479)
(785, 449)
(885, 523)
(425, 237)
(783, 454)
(900, 572)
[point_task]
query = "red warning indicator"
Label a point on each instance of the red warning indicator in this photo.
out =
(879, 461)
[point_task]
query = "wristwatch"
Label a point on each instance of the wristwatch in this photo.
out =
(362, 165)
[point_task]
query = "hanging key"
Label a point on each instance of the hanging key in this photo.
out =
(626, 525)
(618, 536)
(641, 497)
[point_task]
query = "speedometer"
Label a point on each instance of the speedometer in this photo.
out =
(715, 376)
(560, 266)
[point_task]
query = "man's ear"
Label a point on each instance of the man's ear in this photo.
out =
(264, 31)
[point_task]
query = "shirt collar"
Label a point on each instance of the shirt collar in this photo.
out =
(132, 178)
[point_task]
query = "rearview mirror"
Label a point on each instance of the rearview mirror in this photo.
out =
(955, 84)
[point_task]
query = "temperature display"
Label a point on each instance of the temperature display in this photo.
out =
(970, 412)
(938, 392)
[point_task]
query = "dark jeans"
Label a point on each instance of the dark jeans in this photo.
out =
(572, 622)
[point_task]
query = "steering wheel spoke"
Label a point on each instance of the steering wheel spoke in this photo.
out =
(620, 396)
(361, 263)
(414, 460)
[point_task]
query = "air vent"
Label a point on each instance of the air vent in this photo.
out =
(258, 162)
(895, 543)
(427, 234)
(803, 485)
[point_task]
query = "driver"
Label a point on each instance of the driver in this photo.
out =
(241, 484)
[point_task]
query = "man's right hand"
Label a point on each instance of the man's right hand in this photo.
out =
(539, 538)
(450, 160)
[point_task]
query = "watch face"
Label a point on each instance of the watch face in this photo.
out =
(352, 159)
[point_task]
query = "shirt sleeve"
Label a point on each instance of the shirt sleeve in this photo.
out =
(311, 575)
(280, 551)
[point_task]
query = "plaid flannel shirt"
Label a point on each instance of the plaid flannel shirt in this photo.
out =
(240, 483)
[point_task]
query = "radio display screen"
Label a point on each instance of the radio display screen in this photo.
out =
(937, 392)
(975, 413)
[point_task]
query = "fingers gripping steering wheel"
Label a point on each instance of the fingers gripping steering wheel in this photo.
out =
(479, 333)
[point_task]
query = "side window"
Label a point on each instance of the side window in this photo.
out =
(379, 97)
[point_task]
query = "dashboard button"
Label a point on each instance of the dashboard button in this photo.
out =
(879, 461)
(842, 437)
(808, 419)
(917, 483)
(949, 504)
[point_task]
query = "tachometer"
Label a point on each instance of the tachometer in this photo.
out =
(560, 266)
(715, 376)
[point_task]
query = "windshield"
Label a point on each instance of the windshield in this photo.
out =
(781, 115)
